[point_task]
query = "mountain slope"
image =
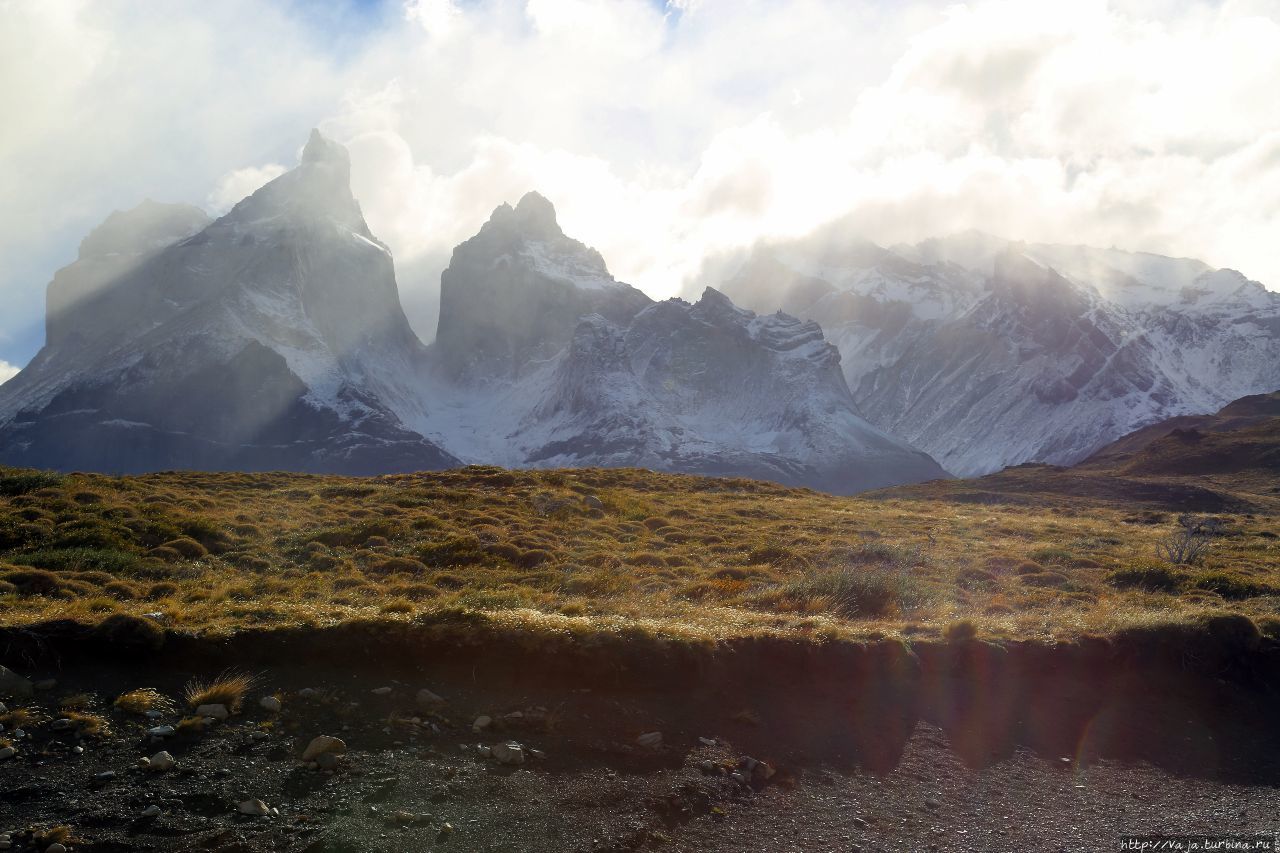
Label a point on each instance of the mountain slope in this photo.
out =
(543, 359)
(986, 353)
(271, 338)
(274, 338)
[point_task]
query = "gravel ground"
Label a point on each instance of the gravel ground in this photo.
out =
(418, 786)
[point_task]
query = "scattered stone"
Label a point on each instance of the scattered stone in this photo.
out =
(158, 616)
(153, 715)
(256, 808)
(19, 734)
(592, 502)
(12, 684)
(482, 722)
(217, 712)
(485, 752)
(508, 753)
(46, 684)
(56, 847)
(650, 740)
(738, 777)
(4, 709)
(7, 752)
(77, 750)
(427, 699)
(60, 724)
(162, 761)
(321, 745)
(537, 753)
(932, 803)
(308, 693)
(381, 691)
(270, 704)
(151, 811)
(327, 761)
(105, 776)
(160, 731)
(707, 741)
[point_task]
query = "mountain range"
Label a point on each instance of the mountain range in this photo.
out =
(274, 338)
(987, 353)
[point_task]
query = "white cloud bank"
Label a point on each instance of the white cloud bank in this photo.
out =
(665, 135)
(7, 371)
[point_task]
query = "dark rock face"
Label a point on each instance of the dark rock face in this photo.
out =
(271, 338)
(513, 294)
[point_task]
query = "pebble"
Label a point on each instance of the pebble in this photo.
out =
(217, 712)
(707, 741)
(484, 751)
(154, 715)
(508, 753)
(61, 724)
(253, 807)
(381, 691)
(321, 745)
(151, 811)
(270, 704)
(105, 776)
(160, 731)
(77, 750)
(56, 847)
(650, 740)
(932, 803)
(162, 761)
(482, 722)
(4, 709)
(428, 699)
(19, 734)
(7, 753)
(308, 693)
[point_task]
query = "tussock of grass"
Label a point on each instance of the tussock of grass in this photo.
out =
(227, 689)
(144, 699)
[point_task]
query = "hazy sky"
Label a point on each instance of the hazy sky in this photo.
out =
(662, 132)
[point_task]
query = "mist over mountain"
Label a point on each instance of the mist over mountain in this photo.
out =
(987, 353)
(274, 338)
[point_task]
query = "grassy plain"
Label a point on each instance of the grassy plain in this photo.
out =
(1034, 552)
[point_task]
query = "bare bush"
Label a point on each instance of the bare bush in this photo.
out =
(1187, 545)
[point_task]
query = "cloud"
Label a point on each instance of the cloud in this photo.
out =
(237, 184)
(7, 371)
(664, 135)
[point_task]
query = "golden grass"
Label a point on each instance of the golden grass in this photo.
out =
(688, 558)
(144, 699)
(227, 689)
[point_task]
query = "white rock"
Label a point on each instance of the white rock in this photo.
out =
(217, 712)
(253, 807)
(382, 691)
(7, 752)
(160, 731)
(151, 811)
(482, 722)
(162, 761)
(77, 750)
(322, 744)
(508, 753)
(428, 699)
(270, 704)
(650, 740)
